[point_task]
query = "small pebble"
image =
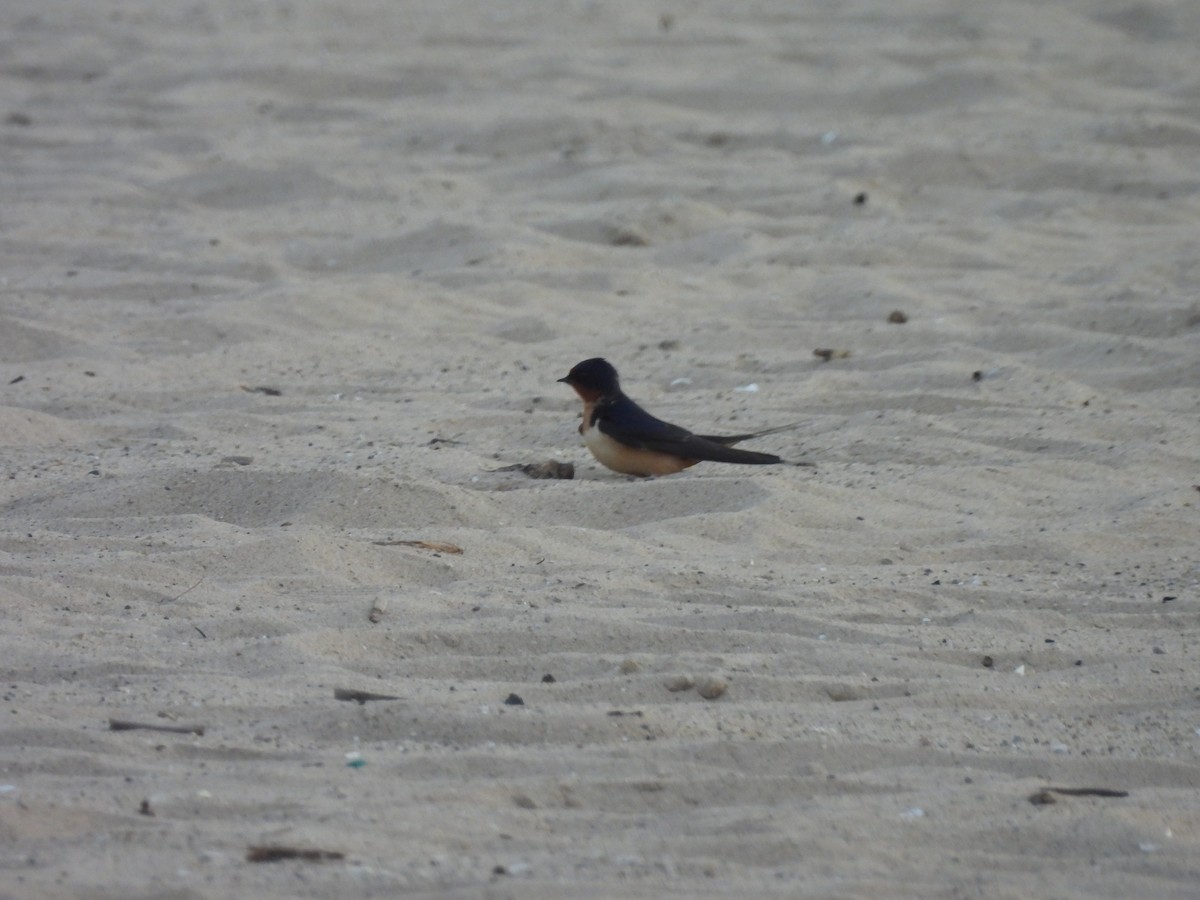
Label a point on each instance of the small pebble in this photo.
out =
(711, 688)
(680, 683)
(551, 468)
(828, 353)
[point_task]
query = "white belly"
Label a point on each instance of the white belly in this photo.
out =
(630, 460)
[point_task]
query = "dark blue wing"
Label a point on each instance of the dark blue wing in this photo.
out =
(623, 420)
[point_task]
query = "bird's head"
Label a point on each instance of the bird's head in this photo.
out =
(593, 378)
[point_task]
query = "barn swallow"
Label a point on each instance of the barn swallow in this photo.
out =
(626, 438)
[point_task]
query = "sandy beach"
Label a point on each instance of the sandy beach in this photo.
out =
(285, 290)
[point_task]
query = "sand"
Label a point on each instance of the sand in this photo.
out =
(285, 283)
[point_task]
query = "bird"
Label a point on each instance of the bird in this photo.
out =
(627, 439)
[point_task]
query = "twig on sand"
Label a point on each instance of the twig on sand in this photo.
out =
(278, 852)
(125, 725)
(359, 696)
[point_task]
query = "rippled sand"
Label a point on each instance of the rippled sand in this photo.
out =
(283, 283)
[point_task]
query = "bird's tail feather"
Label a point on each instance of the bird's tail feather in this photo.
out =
(730, 439)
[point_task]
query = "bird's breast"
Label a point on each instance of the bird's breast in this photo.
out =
(589, 410)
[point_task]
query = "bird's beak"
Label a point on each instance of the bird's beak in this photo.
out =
(566, 379)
